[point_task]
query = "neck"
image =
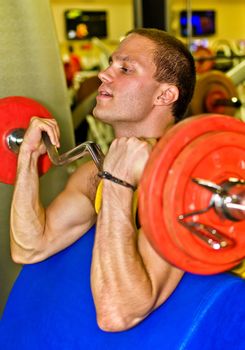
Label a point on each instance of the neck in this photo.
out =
(154, 130)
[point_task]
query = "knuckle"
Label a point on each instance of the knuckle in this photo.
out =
(34, 119)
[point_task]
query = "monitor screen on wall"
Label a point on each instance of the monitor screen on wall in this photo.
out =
(81, 25)
(203, 22)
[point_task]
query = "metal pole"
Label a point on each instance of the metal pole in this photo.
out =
(189, 24)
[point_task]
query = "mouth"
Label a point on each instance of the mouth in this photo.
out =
(103, 93)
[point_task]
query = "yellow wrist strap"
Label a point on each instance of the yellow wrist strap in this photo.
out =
(98, 200)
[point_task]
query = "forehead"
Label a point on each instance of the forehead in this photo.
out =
(136, 48)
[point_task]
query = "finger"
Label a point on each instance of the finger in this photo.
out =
(49, 126)
(53, 123)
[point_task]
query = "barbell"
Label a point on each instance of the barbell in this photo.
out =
(191, 198)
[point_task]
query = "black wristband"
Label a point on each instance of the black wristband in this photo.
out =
(108, 176)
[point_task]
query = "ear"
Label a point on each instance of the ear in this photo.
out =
(167, 95)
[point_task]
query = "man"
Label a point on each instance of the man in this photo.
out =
(147, 87)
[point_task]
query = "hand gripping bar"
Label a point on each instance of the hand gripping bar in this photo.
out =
(15, 138)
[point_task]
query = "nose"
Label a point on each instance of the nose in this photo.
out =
(105, 75)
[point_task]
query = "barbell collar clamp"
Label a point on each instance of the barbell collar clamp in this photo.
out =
(209, 185)
(208, 234)
(227, 204)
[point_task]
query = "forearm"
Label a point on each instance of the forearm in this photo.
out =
(121, 285)
(27, 214)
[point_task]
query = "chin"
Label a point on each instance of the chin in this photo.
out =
(100, 116)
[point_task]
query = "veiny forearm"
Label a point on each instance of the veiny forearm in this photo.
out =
(121, 285)
(27, 214)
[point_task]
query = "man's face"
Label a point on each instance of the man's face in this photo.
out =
(128, 88)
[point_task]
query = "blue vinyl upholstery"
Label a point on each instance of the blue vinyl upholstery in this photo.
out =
(51, 307)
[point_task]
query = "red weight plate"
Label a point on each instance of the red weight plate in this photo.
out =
(151, 204)
(214, 156)
(15, 113)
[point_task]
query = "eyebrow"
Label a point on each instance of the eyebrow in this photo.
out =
(121, 58)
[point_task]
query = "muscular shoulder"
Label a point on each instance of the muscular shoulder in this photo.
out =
(85, 180)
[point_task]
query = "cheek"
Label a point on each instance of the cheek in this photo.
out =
(137, 92)
(136, 105)
(135, 96)
(142, 96)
